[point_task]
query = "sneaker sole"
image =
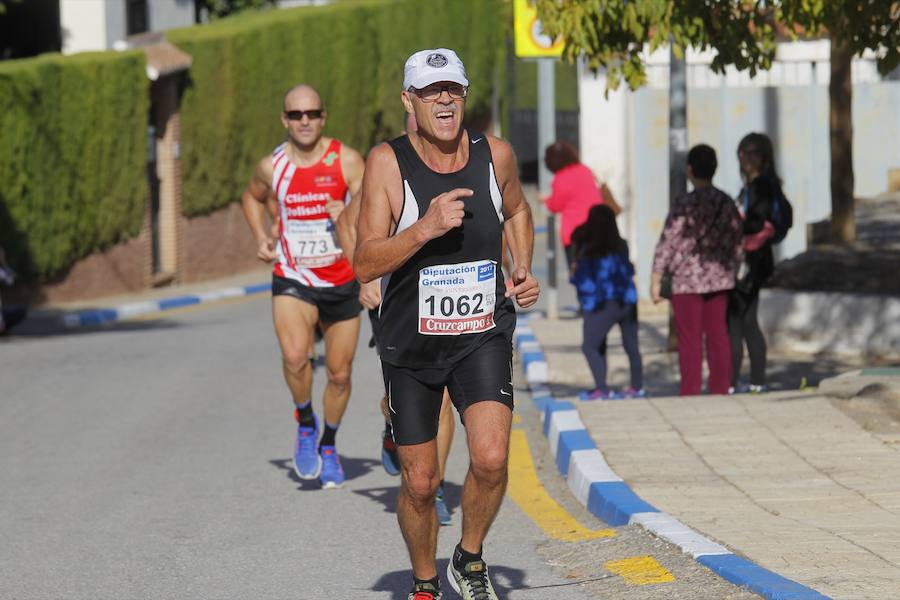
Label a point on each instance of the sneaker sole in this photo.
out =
(331, 485)
(451, 577)
(308, 476)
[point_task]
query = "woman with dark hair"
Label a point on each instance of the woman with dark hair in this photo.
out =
(700, 248)
(604, 279)
(573, 192)
(755, 201)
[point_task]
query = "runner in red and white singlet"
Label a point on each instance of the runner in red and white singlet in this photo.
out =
(311, 178)
(308, 249)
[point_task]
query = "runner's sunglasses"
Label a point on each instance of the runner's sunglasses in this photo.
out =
(431, 93)
(297, 115)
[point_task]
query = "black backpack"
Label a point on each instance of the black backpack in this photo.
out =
(782, 214)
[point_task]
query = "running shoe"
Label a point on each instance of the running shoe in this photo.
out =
(307, 462)
(758, 389)
(443, 511)
(598, 395)
(472, 583)
(424, 591)
(332, 475)
(10, 317)
(389, 459)
(630, 392)
(740, 388)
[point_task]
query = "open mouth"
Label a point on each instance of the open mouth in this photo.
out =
(445, 116)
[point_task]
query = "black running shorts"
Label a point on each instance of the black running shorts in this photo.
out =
(338, 303)
(414, 395)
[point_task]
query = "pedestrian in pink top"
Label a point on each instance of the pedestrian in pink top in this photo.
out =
(573, 192)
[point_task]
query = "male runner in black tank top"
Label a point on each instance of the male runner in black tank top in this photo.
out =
(433, 207)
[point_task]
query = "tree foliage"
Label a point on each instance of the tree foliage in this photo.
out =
(612, 34)
(351, 51)
(860, 25)
(223, 8)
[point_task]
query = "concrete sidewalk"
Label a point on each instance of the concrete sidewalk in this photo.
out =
(805, 485)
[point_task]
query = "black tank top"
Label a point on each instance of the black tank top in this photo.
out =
(448, 298)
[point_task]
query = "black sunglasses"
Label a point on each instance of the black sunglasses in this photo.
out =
(297, 115)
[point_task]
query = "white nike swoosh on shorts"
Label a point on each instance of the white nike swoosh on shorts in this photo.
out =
(506, 393)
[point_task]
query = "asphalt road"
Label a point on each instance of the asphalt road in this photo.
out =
(151, 459)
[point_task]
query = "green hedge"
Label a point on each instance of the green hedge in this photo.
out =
(73, 134)
(352, 51)
(73, 129)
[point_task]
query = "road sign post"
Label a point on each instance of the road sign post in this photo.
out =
(532, 43)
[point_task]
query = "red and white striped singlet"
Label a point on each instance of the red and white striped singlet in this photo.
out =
(308, 248)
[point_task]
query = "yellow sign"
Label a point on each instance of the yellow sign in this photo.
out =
(531, 42)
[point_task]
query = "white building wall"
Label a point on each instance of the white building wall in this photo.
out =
(169, 14)
(90, 25)
(83, 25)
(624, 137)
(116, 22)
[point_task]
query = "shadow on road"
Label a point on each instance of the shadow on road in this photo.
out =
(505, 579)
(353, 468)
(387, 496)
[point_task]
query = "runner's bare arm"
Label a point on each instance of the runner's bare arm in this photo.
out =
(256, 202)
(518, 227)
(369, 293)
(379, 253)
(352, 166)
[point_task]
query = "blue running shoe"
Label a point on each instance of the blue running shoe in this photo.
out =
(598, 395)
(443, 511)
(332, 475)
(307, 462)
(389, 459)
(631, 392)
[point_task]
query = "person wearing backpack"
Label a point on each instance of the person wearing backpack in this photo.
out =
(767, 216)
(603, 276)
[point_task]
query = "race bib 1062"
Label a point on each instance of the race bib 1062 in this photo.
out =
(457, 299)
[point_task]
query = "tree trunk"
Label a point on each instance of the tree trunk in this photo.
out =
(678, 151)
(840, 92)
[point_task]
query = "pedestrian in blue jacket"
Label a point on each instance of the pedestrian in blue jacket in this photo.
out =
(603, 277)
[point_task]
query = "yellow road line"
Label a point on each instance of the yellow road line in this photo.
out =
(639, 570)
(527, 491)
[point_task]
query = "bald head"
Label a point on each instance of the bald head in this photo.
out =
(305, 95)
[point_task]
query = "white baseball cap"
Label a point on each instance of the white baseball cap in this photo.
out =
(430, 66)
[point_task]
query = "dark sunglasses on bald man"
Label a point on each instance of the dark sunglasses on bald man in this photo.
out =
(297, 115)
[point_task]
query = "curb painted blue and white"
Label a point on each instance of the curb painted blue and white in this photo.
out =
(610, 499)
(106, 316)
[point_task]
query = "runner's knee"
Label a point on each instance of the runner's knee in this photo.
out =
(489, 462)
(296, 359)
(421, 484)
(339, 377)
